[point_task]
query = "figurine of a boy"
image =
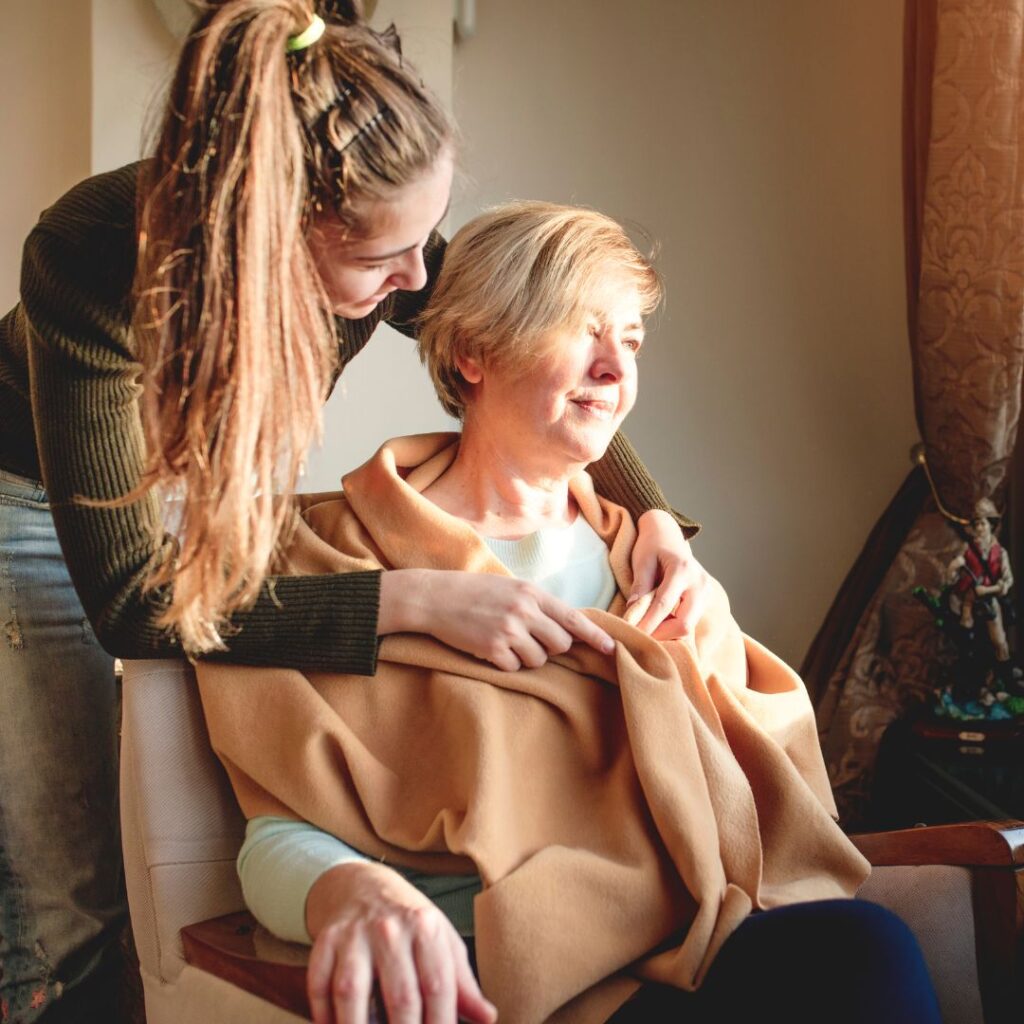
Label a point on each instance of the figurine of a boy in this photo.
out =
(979, 576)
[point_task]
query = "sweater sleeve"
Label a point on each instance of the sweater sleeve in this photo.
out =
(84, 387)
(279, 863)
(621, 477)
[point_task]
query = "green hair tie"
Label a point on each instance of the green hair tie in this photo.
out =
(307, 37)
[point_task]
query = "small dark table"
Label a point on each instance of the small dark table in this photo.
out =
(939, 771)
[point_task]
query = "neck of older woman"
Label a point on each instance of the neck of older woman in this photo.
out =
(503, 490)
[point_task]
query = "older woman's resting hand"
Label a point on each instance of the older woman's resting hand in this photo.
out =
(663, 565)
(368, 922)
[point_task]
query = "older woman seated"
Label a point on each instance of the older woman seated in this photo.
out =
(645, 835)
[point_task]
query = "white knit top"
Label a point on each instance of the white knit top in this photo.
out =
(570, 562)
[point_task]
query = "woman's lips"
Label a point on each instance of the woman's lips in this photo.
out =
(595, 407)
(377, 298)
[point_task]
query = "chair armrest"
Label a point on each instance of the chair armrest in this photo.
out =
(227, 948)
(993, 852)
(972, 844)
(238, 950)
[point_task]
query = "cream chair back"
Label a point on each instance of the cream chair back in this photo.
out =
(181, 826)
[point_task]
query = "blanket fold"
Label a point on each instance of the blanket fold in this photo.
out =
(625, 812)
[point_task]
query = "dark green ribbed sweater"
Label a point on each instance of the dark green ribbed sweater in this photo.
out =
(69, 417)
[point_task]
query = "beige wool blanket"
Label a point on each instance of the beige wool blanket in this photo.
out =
(625, 812)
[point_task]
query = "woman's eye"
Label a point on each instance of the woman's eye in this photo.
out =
(633, 344)
(373, 266)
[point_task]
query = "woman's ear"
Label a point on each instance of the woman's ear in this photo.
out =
(472, 372)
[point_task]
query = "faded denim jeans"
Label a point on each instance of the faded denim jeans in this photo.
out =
(62, 903)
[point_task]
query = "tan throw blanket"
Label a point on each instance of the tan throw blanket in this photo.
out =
(625, 812)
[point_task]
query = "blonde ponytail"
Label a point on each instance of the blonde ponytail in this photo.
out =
(230, 318)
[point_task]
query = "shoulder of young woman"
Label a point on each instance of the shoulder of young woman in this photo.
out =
(107, 198)
(79, 260)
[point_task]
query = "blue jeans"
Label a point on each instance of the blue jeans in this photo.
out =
(62, 903)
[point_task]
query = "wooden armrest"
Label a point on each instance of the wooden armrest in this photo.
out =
(991, 844)
(993, 852)
(236, 949)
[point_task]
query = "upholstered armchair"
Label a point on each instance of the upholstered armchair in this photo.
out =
(202, 958)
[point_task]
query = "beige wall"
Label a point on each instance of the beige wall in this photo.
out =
(133, 54)
(760, 144)
(132, 61)
(77, 111)
(44, 119)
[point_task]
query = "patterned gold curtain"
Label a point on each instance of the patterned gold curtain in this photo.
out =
(877, 651)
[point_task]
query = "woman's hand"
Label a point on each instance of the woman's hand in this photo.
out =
(664, 564)
(508, 622)
(368, 922)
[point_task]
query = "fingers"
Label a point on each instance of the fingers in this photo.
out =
(352, 981)
(683, 622)
(690, 609)
(549, 635)
(670, 629)
(419, 960)
(318, 978)
(386, 930)
(529, 653)
(396, 969)
(500, 655)
(636, 607)
(539, 625)
(645, 574)
(471, 1003)
(576, 623)
(666, 597)
(424, 977)
(436, 967)
(512, 645)
(425, 974)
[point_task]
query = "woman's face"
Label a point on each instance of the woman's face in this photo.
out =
(982, 530)
(359, 272)
(567, 403)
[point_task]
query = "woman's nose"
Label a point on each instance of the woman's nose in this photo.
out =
(609, 359)
(411, 274)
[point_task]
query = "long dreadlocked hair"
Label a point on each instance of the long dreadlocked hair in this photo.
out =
(237, 347)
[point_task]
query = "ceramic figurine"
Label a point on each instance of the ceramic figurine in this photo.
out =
(980, 577)
(972, 610)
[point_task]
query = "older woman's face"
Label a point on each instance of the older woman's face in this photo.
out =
(568, 402)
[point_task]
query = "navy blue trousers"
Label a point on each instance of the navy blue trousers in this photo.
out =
(841, 961)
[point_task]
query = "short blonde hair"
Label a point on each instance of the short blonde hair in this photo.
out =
(516, 272)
